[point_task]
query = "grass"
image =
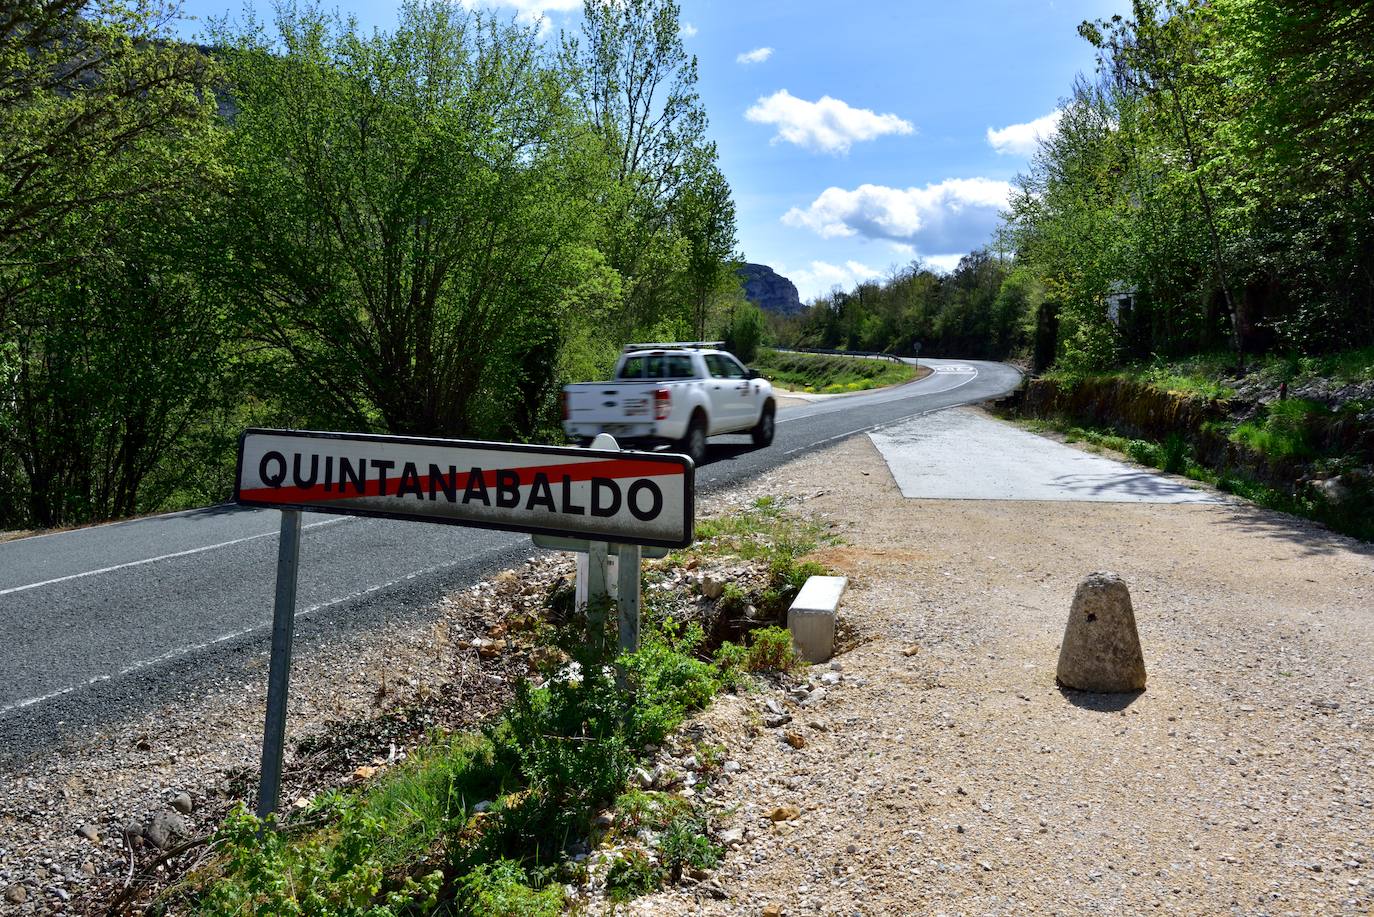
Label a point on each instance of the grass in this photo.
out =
(1213, 375)
(412, 842)
(1176, 456)
(1284, 431)
(822, 374)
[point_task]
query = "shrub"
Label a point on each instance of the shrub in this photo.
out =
(502, 889)
(770, 650)
(632, 875)
(637, 809)
(685, 846)
(338, 873)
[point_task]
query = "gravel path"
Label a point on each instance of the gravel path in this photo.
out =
(946, 773)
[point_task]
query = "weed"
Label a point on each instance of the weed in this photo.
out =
(633, 875)
(732, 664)
(685, 846)
(502, 889)
(771, 650)
(637, 809)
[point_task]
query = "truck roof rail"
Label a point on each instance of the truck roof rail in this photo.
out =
(675, 345)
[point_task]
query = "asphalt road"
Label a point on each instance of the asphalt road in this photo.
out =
(115, 619)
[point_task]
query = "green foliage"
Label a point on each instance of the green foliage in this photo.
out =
(428, 229)
(633, 875)
(745, 332)
(685, 846)
(980, 309)
(112, 344)
(1284, 432)
(732, 664)
(648, 809)
(502, 889)
(1212, 183)
(823, 374)
(771, 650)
(339, 873)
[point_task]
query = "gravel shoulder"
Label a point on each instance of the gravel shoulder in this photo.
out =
(946, 772)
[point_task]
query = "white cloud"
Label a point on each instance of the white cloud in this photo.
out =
(903, 248)
(687, 30)
(957, 214)
(942, 264)
(826, 125)
(1022, 139)
(820, 277)
(756, 56)
(530, 10)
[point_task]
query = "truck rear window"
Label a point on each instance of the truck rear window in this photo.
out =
(656, 366)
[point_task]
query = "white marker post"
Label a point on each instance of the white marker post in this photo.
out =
(624, 501)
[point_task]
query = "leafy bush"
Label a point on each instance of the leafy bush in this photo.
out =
(732, 664)
(502, 889)
(632, 875)
(770, 650)
(637, 809)
(685, 846)
(339, 873)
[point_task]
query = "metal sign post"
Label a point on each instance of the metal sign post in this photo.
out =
(279, 671)
(615, 504)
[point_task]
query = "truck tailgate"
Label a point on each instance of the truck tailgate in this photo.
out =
(599, 402)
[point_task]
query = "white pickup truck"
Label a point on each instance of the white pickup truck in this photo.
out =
(678, 393)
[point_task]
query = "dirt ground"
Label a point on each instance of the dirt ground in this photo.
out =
(946, 772)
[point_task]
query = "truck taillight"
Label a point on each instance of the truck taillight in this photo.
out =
(663, 403)
(563, 405)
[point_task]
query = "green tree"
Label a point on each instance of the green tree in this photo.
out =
(108, 341)
(706, 219)
(638, 91)
(409, 211)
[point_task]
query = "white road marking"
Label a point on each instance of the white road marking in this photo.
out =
(186, 650)
(153, 560)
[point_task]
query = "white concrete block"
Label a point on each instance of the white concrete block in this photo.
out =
(811, 619)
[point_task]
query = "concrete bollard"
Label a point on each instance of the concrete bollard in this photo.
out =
(811, 619)
(1101, 648)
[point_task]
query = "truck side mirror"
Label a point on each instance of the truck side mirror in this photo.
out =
(753, 374)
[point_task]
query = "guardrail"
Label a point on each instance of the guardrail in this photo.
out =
(870, 354)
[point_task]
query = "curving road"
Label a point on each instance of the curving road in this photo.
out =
(114, 619)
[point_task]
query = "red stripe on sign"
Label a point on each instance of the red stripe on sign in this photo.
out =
(372, 487)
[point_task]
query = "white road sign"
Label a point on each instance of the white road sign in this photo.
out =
(625, 497)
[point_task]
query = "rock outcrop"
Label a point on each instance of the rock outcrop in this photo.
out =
(769, 290)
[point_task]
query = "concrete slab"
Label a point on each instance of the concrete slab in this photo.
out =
(964, 455)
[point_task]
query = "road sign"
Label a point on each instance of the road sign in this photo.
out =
(640, 498)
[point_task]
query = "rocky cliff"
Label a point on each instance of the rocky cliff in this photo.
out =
(769, 290)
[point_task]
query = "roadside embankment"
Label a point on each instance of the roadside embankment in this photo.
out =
(826, 374)
(1296, 454)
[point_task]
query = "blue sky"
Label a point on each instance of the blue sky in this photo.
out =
(858, 136)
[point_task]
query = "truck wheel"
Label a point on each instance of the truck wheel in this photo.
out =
(693, 445)
(763, 430)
